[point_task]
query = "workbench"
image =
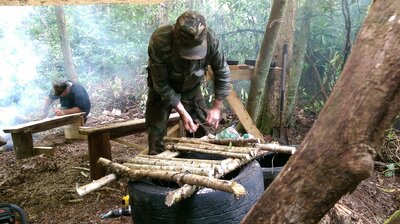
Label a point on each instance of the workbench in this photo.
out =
(22, 134)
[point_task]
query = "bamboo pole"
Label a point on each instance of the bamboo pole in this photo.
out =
(187, 190)
(172, 167)
(180, 178)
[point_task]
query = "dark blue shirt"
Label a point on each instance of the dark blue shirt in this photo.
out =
(77, 97)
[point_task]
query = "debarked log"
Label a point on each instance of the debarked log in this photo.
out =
(180, 163)
(96, 184)
(223, 148)
(184, 160)
(277, 148)
(187, 190)
(231, 141)
(207, 151)
(172, 167)
(180, 178)
(185, 140)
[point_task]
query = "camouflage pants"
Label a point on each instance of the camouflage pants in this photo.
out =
(157, 114)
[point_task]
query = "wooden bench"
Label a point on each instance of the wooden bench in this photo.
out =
(99, 140)
(22, 134)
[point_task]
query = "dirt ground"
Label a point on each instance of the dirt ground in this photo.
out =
(44, 186)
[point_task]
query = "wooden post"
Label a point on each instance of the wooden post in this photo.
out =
(23, 144)
(71, 131)
(99, 146)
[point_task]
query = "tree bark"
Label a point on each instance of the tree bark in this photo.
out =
(300, 46)
(65, 44)
(337, 153)
(254, 103)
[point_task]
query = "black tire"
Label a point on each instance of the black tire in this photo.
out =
(271, 165)
(206, 206)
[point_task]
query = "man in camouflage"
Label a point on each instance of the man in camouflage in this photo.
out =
(179, 56)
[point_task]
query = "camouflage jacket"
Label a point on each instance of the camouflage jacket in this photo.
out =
(170, 75)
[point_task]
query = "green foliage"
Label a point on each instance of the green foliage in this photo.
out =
(325, 47)
(391, 169)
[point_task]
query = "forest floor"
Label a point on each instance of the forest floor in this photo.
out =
(45, 186)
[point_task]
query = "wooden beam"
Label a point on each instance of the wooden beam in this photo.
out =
(238, 72)
(121, 129)
(243, 115)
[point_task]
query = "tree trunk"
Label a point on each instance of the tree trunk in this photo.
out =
(270, 119)
(254, 103)
(300, 46)
(338, 152)
(65, 45)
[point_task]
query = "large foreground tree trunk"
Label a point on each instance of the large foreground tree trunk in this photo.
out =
(337, 153)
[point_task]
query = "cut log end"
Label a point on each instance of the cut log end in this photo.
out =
(238, 189)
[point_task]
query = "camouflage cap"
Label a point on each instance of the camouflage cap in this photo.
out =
(59, 87)
(191, 31)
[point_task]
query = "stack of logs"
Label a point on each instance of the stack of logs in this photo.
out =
(193, 173)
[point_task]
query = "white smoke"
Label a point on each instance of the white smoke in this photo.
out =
(19, 97)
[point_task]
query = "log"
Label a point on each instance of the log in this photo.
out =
(182, 163)
(276, 148)
(232, 142)
(172, 167)
(186, 140)
(214, 152)
(187, 190)
(180, 178)
(194, 161)
(223, 148)
(95, 185)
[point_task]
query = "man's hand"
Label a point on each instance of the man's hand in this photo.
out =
(186, 118)
(214, 114)
(58, 112)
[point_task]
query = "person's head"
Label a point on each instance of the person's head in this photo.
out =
(59, 87)
(190, 32)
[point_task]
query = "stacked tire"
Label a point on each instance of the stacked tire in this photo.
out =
(206, 206)
(271, 165)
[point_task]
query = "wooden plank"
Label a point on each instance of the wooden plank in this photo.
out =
(45, 124)
(243, 115)
(99, 146)
(121, 129)
(23, 145)
(238, 72)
